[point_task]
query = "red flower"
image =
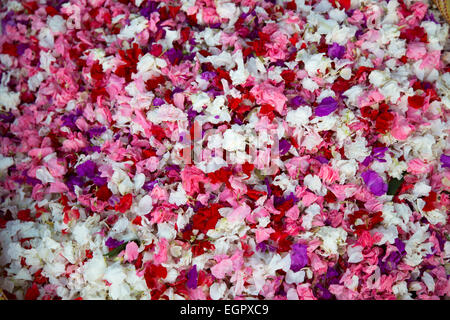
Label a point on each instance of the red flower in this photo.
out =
(430, 202)
(103, 193)
(9, 48)
(384, 122)
(125, 203)
(32, 292)
(24, 215)
(201, 247)
(206, 218)
(416, 101)
(153, 83)
(247, 168)
(39, 278)
(267, 110)
(288, 76)
(70, 213)
(341, 85)
(342, 3)
(221, 175)
(369, 220)
(152, 274)
(97, 71)
(412, 34)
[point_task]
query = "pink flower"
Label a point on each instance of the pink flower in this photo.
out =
(431, 60)
(328, 175)
(263, 234)
(416, 50)
(191, 177)
(221, 269)
(131, 251)
(417, 166)
(268, 94)
(401, 129)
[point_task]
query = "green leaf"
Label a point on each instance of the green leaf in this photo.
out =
(394, 185)
(114, 252)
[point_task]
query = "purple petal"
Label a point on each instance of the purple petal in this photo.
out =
(284, 146)
(192, 278)
(299, 257)
(374, 182)
(327, 106)
(112, 243)
(445, 161)
(336, 51)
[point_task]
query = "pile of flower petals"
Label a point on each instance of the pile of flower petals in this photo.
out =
(97, 202)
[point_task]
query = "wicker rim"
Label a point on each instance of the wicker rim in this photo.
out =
(444, 8)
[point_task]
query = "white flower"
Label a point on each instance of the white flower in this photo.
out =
(220, 60)
(217, 290)
(145, 205)
(233, 141)
(35, 81)
(295, 277)
(95, 268)
(436, 216)
(309, 84)
(178, 197)
(354, 254)
(56, 23)
(317, 62)
(391, 90)
(46, 38)
(415, 247)
(357, 149)
(167, 231)
(311, 212)
(43, 175)
(5, 163)
(332, 238)
(421, 189)
(240, 75)
(313, 183)
(9, 100)
(429, 281)
(299, 117)
(81, 234)
(137, 25)
(199, 100)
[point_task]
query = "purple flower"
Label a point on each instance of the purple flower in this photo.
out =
(445, 161)
(21, 47)
(208, 75)
(87, 169)
(299, 258)
(336, 51)
(374, 182)
(112, 243)
(174, 55)
(157, 102)
(7, 117)
(99, 181)
(263, 246)
(96, 131)
(326, 106)
(400, 246)
(192, 278)
(74, 181)
(149, 185)
(321, 159)
(297, 102)
(284, 146)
